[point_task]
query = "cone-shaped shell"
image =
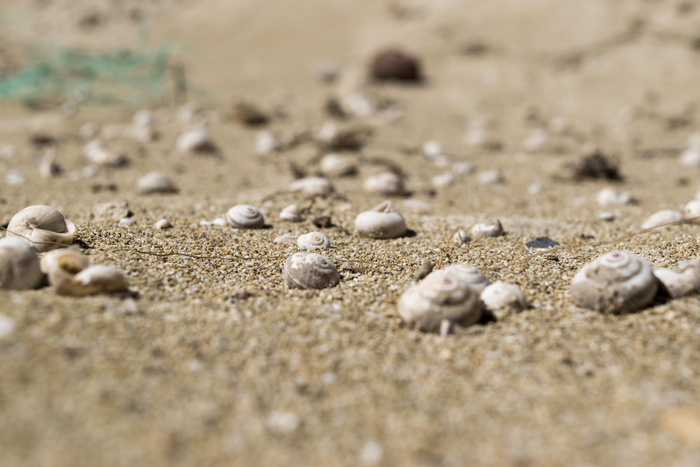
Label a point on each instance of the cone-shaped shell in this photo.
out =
(43, 226)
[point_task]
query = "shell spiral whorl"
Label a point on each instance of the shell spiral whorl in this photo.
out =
(313, 241)
(245, 216)
(310, 271)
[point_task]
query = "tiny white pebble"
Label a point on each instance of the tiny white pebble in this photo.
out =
(125, 221)
(490, 177)
(372, 453)
(606, 216)
(14, 177)
(283, 422)
(7, 326)
(220, 221)
(534, 189)
(443, 180)
(162, 224)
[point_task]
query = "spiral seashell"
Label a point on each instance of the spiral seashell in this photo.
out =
(385, 183)
(338, 165)
(71, 273)
(617, 282)
(313, 241)
(472, 275)
(19, 265)
(685, 282)
(659, 218)
(442, 295)
(156, 182)
(503, 296)
(313, 186)
(310, 271)
(383, 221)
(43, 226)
(291, 213)
(245, 216)
(461, 237)
(483, 230)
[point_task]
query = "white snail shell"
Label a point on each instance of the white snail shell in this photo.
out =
(245, 216)
(503, 296)
(310, 271)
(338, 165)
(71, 273)
(313, 186)
(43, 226)
(383, 221)
(685, 282)
(665, 216)
(617, 282)
(98, 154)
(385, 183)
(442, 295)
(692, 209)
(609, 196)
(483, 230)
(472, 275)
(19, 265)
(313, 241)
(156, 182)
(461, 237)
(291, 213)
(196, 140)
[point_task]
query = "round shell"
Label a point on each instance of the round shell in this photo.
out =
(384, 221)
(310, 271)
(291, 213)
(483, 230)
(385, 183)
(472, 275)
(245, 216)
(617, 282)
(503, 296)
(442, 295)
(71, 273)
(19, 265)
(43, 226)
(685, 282)
(156, 182)
(313, 241)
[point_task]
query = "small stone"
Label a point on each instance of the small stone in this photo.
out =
(395, 65)
(125, 222)
(7, 326)
(162, 224)
(541, 242)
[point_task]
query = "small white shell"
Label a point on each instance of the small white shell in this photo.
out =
(665, 216)
(71, 273)
(265, 142)
(313, 241)
(609, 196)
(692, 209)
(617, 282)
(472, 275)
(196, 140)
(162, 224)
(19, 265)
(490, 177)
(338, 165)
(442, 295)
(461, 237)
(291, 213)
(310, 271)
(156, 182)
(313, 186)
(245, 216)
(383, 221)
(483, 230)
(385, 183)
(442, 180)
(43, 226)
(685, 282)
(503, 296)
(99, 155)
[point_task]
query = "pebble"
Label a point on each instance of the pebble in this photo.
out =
(7, 326)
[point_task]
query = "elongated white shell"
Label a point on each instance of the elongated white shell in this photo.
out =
(665, 216)
(313, 186)
(313, 241)
(156, 182)
(310, 271)
(503, 296)
(442, 295)
(71, 273)
(43, 226)
(383, 221)
(483, 230)
(685, 282)
(385, 183)
(617, 282)
(19, 265)
(245, 216)
(472, 275)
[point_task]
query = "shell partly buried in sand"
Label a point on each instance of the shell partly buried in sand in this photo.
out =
(617, 282)
(503, 296)
(383, 221)
(684, 282)
(310, 271)
(19, 265)
(245, 216)
(43, 226)
(71, 273)
(486, 230)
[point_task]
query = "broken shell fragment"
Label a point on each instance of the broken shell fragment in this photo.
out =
(503, 296)
(692, 209)
(71, 273)
(310, 271)
(19, 265)
(245, 216)
(685, 282)
(313, 241)
(659, 218)
(156, 182)
(383, 221)
(484, 230)
(43, 226)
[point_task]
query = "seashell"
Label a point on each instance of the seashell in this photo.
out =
(483, 230)
(19, 265)
(690, 157)
(503, 296)
(310, 271)
(286, 238)
(338, 165)
(71, 273)
(383, 221)
(385, 183)
(291, 213)
(659, 218)
(313, 241)
(442, 295)
(245, 216)
(461, 237)
(536, 140)
(617, 282)
(265, 142)
(433, 149)
(162, 224)
(195, 141)
(692, 209)
(313, 186)
(43, 226)
(472, 275)
(461, 168)
(442, 180)
(685, 282)
(609, 196)
(99, 155)
(47, 166)
(156, 182)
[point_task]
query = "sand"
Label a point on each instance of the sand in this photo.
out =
(211, 359)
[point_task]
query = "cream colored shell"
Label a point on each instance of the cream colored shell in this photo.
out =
(310, 271)
(313, 186)
(461, 237)
(484, 230)
(617, 282)
(659, 218)
(156, 182)
(338, 165)
(19, 265)
(71, 273)
(385, 183)
(313, 241)
(503, 296)
(245, 216)
(383, 221)
(682, 283)
(472, 275)
(99, 155)
(291, 213)
(43, 226)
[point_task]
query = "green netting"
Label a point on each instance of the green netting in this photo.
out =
(122, 77)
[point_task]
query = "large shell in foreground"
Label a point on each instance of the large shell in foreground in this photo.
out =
(682, 283)
(43, 226)
(617, 282)
(383, 221)
(441, 296)
(19, 265)
(310, 271)
(71, 273)
(245, 216)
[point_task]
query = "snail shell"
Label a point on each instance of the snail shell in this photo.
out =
(665, 216)
(196, 140)
(685, 282)
(483, 230)
(313, 186)
(442, 295)
(385, 183)
(291, 213)
(384, 221)
(156, 182)
(313, 241)
(461, 237)
(338, 165)
(609, 196)
(43, 226)
(310, 271)
(245, 216)
(71, 273)
(503, 296)
(19, 265)
(472, 275)
(617, 282)
(692, 209)
(98, 154)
